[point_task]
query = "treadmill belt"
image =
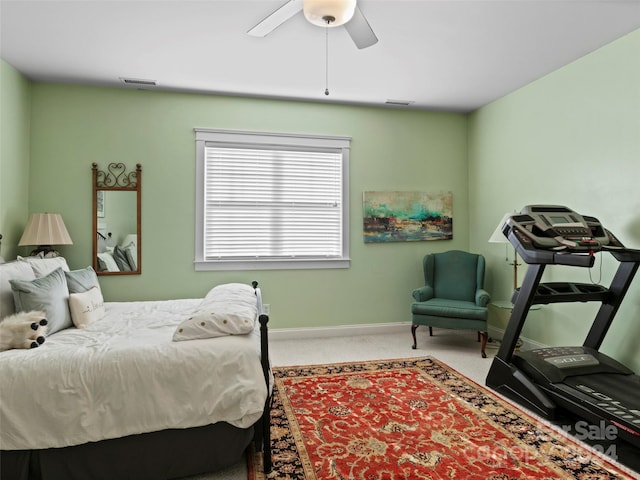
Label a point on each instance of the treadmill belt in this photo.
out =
(618, 394)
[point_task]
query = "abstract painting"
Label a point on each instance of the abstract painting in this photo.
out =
(407, 216)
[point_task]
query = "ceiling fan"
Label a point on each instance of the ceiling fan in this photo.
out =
(324, 13)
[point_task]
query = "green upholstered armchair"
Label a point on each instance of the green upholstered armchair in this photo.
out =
(453, 295)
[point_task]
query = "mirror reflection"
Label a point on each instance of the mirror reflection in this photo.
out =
(116, 218)
(117, 231)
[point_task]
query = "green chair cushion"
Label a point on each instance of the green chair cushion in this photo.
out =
(440, 307)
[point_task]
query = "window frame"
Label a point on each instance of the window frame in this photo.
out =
(211, 137)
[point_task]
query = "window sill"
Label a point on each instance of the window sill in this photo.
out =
(289, 264)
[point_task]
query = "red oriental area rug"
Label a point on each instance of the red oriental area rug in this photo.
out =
(411, 419)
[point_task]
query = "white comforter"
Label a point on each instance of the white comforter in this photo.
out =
(123, 375)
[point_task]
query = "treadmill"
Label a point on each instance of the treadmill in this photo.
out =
(579, 379)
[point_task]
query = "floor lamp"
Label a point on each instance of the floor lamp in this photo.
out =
(498, 237)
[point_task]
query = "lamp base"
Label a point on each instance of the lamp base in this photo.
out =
(44, 251)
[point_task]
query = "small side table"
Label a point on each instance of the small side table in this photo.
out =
(507, 305)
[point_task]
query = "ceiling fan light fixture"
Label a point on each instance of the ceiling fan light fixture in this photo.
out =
(328, 13)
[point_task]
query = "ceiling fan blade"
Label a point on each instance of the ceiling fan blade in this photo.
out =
(277, 18)
(360, 31)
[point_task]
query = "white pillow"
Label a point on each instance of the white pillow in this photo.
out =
(106, 259)
(86, 307)
(12, 271)
(131, 239)
(229, 309)
(44, 266)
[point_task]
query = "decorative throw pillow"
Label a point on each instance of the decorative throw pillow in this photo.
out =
(86, 307)
(120, 257)
(44, 266)
(79, 281)
(229, 309)
(132, 256)
(49, 294)
(12, 271)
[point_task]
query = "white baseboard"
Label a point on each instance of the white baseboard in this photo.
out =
(372, 329)
(339, 331)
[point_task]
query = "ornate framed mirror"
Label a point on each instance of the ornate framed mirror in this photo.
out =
(117, 242)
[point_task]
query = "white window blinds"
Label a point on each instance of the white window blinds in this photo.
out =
(273, 202)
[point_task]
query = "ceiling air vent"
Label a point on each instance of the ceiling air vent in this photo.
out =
(138, 82)
(399, 103)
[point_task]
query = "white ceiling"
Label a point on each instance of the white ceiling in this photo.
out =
(452, 55)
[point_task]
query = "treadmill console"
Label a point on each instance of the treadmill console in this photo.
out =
(560, 228)
(554, 234)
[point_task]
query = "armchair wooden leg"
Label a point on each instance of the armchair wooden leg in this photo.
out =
(413, 333)
(484, 337)
(431, 331)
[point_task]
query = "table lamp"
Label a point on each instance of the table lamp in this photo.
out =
(498, 237)
(45, 230)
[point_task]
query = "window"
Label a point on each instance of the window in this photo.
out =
(271, 201)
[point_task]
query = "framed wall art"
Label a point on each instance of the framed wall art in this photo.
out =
(100, 203)
(407, 216)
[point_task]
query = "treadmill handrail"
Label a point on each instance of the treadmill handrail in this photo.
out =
(533, 255)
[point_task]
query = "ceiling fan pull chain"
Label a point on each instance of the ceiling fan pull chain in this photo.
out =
(326, 90)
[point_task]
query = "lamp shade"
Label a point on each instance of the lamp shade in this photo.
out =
(497, 236)
(45, 229)
(328, 13)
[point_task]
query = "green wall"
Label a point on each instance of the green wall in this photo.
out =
(571, 138)
(15, 114)
(391, 149)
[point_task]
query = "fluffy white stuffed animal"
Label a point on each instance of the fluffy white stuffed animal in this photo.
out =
(23, 330)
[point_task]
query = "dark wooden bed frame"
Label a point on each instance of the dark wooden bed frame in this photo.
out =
(159, 455)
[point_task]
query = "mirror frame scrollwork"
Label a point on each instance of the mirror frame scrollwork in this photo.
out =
(116, 178)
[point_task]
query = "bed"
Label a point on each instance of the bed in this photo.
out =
(144, 391)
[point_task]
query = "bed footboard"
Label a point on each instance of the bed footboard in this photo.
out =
(266, 415)
(263, 437)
